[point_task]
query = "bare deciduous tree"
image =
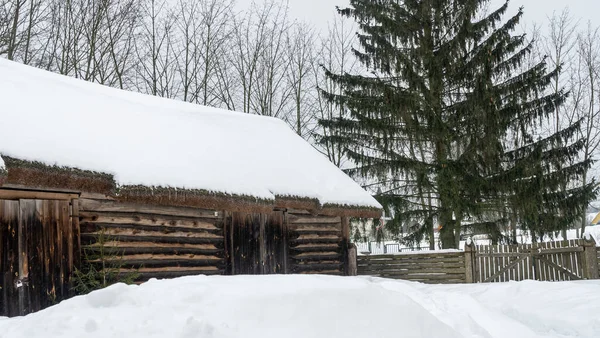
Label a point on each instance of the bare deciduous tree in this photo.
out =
(337, 57)
(156, 68)
(302, 56)
(584, 105)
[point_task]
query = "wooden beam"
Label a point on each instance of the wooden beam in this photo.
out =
(10, 194)
(27, 188)
(262, 244)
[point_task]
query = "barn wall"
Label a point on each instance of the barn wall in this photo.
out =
(155, 242)
(317, 243)
(256, 243)
(39, 245)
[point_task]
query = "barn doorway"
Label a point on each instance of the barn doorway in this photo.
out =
(257, 243)
(39, 248)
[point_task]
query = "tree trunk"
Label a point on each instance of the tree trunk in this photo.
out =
(583, 217)
(12, 42)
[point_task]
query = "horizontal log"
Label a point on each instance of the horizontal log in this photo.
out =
(316, 240)
(166, 261)
(430, 281)
(449, 260)
(315, 247)
(336, 272)
(319, 256)
(444, 281)
(308, 219)
(108, 233)
(422, 277)
(9, 194)
(86, 227)
(133, 248)
(410, 261)
(415, 272)
(413, 256)
(208, 258)
(171, 272)
(148, 219)
(93, 238)
(110, 206)
(322, 266)
(297, 236)
(414, 266)
(316, 230)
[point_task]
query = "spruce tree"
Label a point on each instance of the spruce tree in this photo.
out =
(435, 120)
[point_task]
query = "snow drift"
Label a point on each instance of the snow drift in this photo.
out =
(319, 306)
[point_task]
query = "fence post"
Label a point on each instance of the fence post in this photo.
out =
(352, 260)
(469, 260)
(590, 258)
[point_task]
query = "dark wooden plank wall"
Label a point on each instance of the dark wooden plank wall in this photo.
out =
(258, 243)
(38, 246)
(156, 242)
(316, 244)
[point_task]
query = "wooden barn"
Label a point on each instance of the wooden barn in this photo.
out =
(171, 188)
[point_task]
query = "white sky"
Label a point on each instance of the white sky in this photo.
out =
(319, 12)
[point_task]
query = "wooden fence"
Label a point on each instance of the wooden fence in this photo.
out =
(430, 267)
(551, 261)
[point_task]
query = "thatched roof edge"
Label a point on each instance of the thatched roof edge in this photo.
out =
(39, 175)
(351, 211)
(193, 198)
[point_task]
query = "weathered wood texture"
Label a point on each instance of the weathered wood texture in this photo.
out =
(156, 242)
(352, 267)
(550, 261)
(39, 248)
(316, 244)
(432, 268)
(259, 243)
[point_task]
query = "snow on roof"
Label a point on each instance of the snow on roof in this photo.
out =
(152, 141)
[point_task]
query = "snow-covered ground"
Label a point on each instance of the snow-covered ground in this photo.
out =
(319, 306)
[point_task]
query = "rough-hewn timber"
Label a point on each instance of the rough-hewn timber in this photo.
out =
(156, 242)
(316, 243)
(427, 268)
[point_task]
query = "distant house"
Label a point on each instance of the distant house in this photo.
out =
(175, 188)
(593, 219)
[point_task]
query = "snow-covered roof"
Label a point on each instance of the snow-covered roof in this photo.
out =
(151, 141)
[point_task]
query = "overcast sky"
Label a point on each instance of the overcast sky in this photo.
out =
(319, 12)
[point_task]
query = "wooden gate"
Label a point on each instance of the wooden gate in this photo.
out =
(551, 261)
(39, 247)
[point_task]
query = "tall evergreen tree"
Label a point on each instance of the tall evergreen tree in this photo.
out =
(434, 123)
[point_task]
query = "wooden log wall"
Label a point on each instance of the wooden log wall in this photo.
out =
(431, 268)
(316, 244)
(155, 242)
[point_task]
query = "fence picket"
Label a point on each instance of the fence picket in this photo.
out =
(549, 261)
